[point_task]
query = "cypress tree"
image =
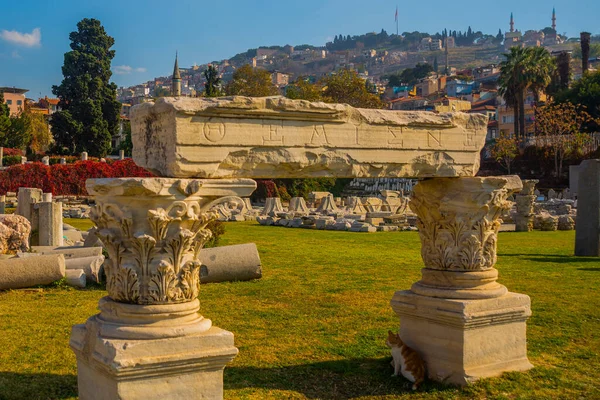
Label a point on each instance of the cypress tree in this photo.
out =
(90, 112)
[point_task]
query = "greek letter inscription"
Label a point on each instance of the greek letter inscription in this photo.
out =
(214, 131)
(434, 139)
(396, 138)
(274, 135)
(319, 135)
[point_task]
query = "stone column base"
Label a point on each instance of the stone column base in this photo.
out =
(462, 341)
(179, 364)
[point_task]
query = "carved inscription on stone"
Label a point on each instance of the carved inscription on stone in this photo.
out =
(278, 137)
(434, 138)
(396, 136)
(319, 135)
(214, 131)
(274, 134)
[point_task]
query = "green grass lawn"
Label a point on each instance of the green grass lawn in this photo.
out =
(83, 224)
(314, 326)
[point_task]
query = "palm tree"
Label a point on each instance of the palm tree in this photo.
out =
(524, 69)
(512, 82)
(541, 66)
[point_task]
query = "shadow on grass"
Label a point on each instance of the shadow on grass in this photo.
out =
(552, 258)
(341, 379)
(18, 386)
(561, 259)
(589, 269)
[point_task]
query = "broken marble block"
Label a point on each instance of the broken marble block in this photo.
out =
(275, 137)
(14, 233)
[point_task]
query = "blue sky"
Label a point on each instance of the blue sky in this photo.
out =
(34, 34)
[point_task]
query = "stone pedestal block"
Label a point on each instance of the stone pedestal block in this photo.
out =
(154, 352)
(462, 341)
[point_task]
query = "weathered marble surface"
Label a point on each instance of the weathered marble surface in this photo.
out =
(274, 137)
(14, 233)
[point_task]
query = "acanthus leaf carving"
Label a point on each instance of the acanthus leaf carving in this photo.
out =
(153, 261)
(458, 221)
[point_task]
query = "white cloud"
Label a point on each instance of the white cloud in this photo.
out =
(122, 69)
(33, 39)
(126, 69)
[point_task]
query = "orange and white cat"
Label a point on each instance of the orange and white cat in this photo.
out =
(405, 360)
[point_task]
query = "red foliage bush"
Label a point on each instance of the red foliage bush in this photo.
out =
(265, 188)
(66, 179)
(12, 152)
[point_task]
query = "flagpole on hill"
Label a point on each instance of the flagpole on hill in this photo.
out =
(396, 18)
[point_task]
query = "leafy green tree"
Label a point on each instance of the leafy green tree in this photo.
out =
(347, 87)
(126, 145)
(302, 89)
(505, 150)
(41, 138)
(18, 134)
(559, 129)
(253, 82)
(161, 92)
(585, 92)
(594, 51)
(90, 112)
(410, 76)
(212, 87)
(4, 117)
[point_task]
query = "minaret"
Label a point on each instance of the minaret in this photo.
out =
(176, 82)
(512, 23)
(553, 19)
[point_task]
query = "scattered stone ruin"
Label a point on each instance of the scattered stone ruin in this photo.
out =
(387, 212)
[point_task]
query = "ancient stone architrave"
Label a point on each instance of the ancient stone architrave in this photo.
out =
(274, 137)
(153, 230)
